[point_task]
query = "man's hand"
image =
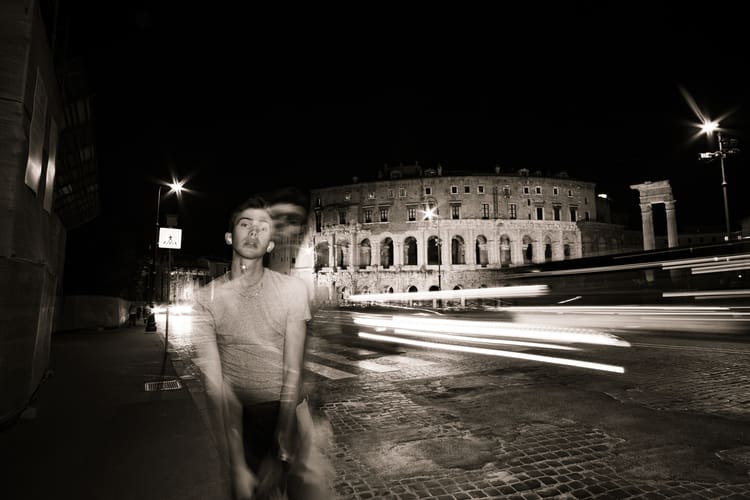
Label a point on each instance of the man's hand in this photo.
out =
(243, 482)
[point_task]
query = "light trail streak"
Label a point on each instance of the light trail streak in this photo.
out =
(471, 293)
(494, 352)
(492, 328)
(482, 340)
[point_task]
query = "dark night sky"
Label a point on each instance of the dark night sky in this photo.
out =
(248, 100)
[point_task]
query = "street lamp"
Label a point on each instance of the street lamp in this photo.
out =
(709, 127)
(175, 187)
(430, 213)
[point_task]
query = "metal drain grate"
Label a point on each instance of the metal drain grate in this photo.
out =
(163, 385)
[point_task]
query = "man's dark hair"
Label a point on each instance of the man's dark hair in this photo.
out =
(252, 202)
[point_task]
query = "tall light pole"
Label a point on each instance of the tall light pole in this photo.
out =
(709, 127)
(430, 213)
(176, 187)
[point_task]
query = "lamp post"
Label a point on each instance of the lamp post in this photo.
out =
(176, 187)
(709, 128)
(430, 213)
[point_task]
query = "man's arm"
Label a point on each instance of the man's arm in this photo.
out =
(294, 351)
(224, 409)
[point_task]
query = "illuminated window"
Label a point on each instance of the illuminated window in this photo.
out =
(513, 211)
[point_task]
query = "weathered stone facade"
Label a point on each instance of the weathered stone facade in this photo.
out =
(378, 236)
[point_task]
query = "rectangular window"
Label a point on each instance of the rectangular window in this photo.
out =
(573, 214)
(391, 194)
(539, 213)
(37, 130)
(383, 215)
(455, 211)
(555, 190)
(454, 189)
(342, 216)
(506, 190)
(402, 192)
(347, 196)
(538, 190)
(367, 212)
(428, 190)
(587, 215)
(467, 189)
(557, 211)
(371, 195)
(485, 210)
(526, 190)
(570, 193)
(513, 211)
(480, 189)
(411, 213)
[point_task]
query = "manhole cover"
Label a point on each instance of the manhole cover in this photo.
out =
(163, 385)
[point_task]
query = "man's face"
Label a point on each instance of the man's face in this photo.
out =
(251, 236)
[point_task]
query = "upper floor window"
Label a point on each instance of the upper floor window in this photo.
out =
(513, 211)
(342, 216)
(556, 211)
(391, 194)
(539, 213)
(570, 193)
(367, 215)
(467, 189)
(573, 214)
(538, 190)
(480, 189)
(428, 190)
(455, 211)
(506, 190)
(526, 190)
(411, 213)
(348, 196)
(555, 190)
(454, 189)
(402, 192)
(383, 214)
(371, 195)
(485, 210)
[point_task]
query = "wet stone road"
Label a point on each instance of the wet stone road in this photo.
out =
(435, 425)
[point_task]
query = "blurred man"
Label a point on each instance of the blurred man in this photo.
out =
(250, 328)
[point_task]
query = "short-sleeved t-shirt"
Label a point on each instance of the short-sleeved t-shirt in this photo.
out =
(248, 323)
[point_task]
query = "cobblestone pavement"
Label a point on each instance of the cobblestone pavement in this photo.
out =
(425, 431)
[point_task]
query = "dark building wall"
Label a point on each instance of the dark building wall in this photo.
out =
(32, 238)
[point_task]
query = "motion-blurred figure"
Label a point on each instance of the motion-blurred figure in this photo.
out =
(250, 327)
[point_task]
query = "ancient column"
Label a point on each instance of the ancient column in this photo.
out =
(647, 219)
(672, 240)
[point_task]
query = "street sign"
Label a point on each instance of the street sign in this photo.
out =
(170, 237)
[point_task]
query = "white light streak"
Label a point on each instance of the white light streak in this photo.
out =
(491, 329)
(494, 352)
(472, 293)
(482, 340)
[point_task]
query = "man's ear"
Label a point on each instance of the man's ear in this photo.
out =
(271, 245)
(228, 238)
